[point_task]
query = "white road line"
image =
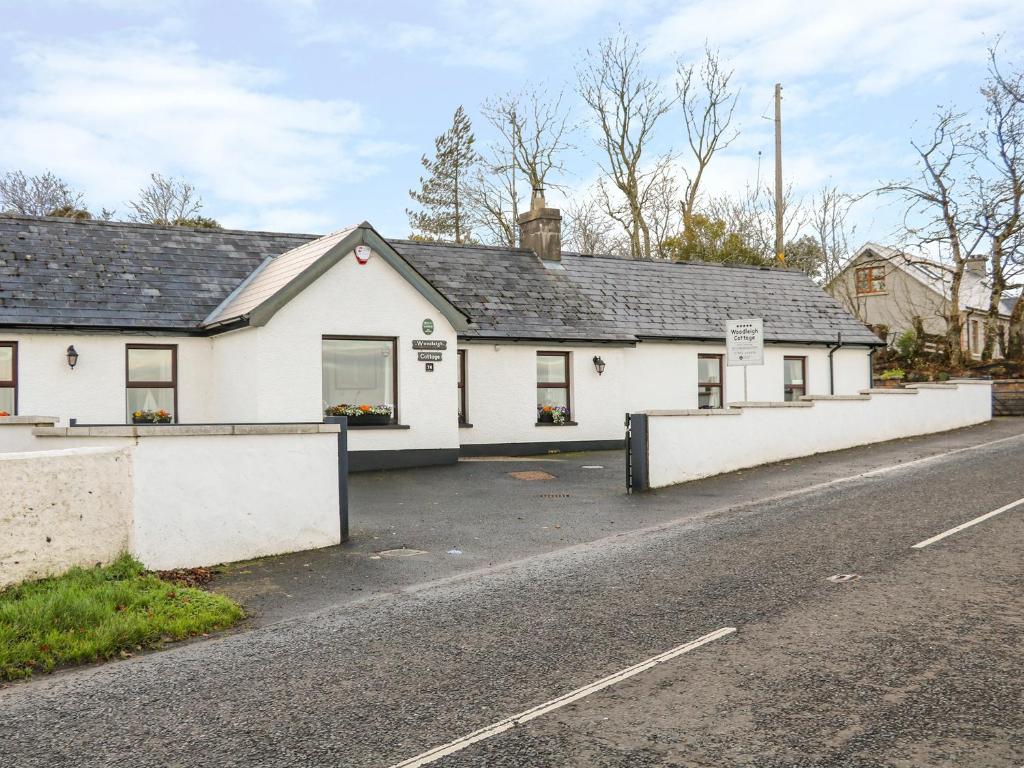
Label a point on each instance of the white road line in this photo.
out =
(508, 723)
(968, 524)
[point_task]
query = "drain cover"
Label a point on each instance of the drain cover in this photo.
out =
(554, 496)
(403, 552)
(533, 474)
(842, 578)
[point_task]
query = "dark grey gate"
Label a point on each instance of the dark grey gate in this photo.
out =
(343, 477)
(636, 452)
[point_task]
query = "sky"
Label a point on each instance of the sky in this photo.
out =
(309, 115)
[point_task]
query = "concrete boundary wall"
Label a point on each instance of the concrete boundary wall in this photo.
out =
(203, 494)
(686, 445)
(63, 508)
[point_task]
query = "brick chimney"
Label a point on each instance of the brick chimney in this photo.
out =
(540, 229)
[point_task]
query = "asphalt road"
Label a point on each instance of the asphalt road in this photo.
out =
(915, 663)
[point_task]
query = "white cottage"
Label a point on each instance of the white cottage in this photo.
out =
(464, 349)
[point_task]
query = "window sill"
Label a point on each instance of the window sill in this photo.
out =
(465, 425)
(552, 424)
(378, 426)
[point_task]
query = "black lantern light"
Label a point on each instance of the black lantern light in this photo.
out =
(598, 365)
(72, 357)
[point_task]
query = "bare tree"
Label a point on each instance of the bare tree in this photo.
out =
(708, 103)
(589, 230)
(828, 215)
(533, 129)
(41, 195)
(165, 200)
(751, 214)
(939, 212)
(1001, 198)
(626, 104)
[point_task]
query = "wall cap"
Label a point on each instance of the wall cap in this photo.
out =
(771, 404)
(835, 397)
(186, 430)
(931, 385)
(40, 420)
(696, 412)
(888, 391)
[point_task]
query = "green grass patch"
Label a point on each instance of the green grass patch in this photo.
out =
(92, 614)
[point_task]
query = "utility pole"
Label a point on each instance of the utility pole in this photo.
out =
(779, 255)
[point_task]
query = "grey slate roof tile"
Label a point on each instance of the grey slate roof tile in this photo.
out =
(112, 274)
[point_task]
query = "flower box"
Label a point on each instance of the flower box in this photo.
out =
(359, 415)
(152, 417)
(552, 414)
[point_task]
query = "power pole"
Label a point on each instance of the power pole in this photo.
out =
(779, 255)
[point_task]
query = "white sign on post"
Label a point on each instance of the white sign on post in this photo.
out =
(744, 342)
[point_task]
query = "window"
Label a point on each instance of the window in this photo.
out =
(870, 280)
(795, 375)
(553, 381)
(975, 341)
(463, 400)
(709, 381)
(151, 378)
(9, 377)
(360, 371)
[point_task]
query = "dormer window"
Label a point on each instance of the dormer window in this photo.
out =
(870, 280)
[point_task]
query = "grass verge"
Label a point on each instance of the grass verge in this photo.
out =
(92, 614)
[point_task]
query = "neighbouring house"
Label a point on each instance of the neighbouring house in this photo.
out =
(893, 292)
(437, 350)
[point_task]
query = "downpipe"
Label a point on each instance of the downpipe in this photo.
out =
(831, 364)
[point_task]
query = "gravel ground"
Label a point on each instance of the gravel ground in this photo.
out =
(914, 664)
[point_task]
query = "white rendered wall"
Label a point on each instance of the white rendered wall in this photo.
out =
(195, 495)
(502, 385)
(285, 383)
(210, 499)
(692, 444)
(94, 391)
(62, 508)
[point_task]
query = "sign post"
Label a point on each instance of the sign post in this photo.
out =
(744, 345)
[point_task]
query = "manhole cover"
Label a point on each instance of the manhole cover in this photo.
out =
(403, 552)
(842, 578)
(533, 474)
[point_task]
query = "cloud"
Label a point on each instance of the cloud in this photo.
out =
(105, 116)
(879, 45)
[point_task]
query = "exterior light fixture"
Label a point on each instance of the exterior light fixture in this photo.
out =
(598, 365)
(72, 357)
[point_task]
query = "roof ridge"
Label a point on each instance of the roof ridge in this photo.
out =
(439, 244)
(147, 226)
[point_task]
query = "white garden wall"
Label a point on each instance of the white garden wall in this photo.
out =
(197, 495)
(502, 385)
(686, 445)
(62, 508)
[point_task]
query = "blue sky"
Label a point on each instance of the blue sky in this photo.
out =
(307, 115)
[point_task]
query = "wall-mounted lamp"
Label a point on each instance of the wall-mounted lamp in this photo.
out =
(598, 365)
(72, 357)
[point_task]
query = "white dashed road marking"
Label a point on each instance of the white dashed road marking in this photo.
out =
(508, 723)
(968, 524)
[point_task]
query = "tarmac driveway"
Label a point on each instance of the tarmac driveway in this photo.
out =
(412, 527)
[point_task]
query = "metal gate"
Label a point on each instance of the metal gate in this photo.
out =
(636, 452)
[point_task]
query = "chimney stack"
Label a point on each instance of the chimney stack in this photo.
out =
(976, 265)
(540, 229)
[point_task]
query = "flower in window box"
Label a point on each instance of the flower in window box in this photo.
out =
(552, 414)
(361, 415)
(4, 413)
(151, 417)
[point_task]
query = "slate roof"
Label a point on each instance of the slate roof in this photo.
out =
(65, 273)
(509, 293)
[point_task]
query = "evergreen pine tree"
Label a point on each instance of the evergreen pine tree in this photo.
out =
(443, 198)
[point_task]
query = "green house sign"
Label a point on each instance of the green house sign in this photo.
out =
(428, 326)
